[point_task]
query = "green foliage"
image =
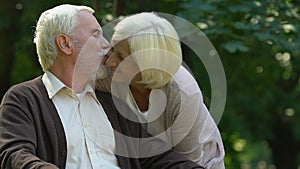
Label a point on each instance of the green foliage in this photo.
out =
(235, 46)
(258, 42)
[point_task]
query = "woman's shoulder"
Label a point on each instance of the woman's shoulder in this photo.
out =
(184, 81)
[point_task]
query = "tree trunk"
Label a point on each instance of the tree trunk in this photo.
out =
(96, 6)
(119, 7)
(8, 34)
(283, 146)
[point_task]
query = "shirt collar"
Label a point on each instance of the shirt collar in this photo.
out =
(90, 89)
(52, 84)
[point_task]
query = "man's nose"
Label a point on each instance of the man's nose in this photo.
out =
(105, 44)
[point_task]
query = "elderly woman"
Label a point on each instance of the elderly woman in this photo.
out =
(146, 73)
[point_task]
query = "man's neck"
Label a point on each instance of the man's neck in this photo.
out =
(76, 82)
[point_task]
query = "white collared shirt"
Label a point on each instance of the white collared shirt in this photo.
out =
(89, 134)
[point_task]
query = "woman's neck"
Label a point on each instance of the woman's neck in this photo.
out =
(141, 96)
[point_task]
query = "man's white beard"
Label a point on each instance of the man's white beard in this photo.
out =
(102, 72)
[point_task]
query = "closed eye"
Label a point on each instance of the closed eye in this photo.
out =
(97, 33)
(117, 53)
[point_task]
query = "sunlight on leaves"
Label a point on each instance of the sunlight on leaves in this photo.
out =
(239, 145)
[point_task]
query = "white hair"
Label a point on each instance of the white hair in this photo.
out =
(61, 19)
(154, 44)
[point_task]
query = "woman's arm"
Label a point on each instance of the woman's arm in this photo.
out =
(190, 118)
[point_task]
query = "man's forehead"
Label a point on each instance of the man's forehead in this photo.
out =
(88, 19)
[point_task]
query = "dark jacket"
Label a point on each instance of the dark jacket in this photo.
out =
(32, 135)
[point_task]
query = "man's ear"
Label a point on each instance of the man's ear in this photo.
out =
(64, 43)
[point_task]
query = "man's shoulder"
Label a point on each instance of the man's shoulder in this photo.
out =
(27, 85)
(25, 89)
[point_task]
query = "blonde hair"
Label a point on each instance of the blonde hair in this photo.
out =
(154, 45)
(61, 19)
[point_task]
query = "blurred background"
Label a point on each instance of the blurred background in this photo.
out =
(258, 43)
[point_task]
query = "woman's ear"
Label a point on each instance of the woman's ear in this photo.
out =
(64, 43)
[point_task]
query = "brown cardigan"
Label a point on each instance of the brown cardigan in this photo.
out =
(32, 135)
